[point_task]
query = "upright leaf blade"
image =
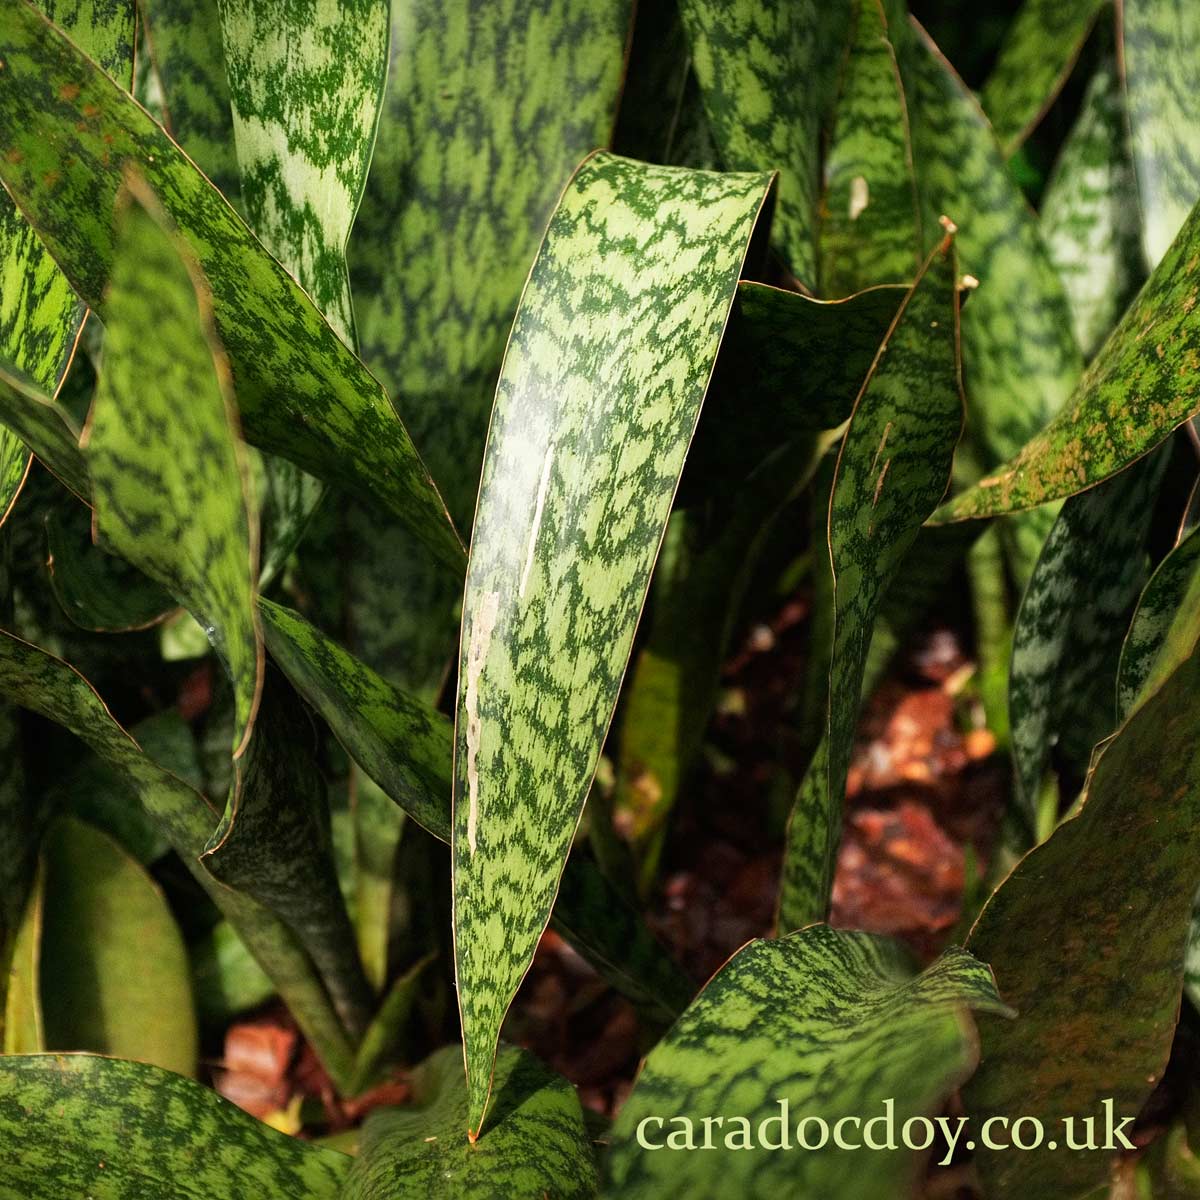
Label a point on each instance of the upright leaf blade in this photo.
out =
(893, 467)
(593, 416)
(301, 393)
(540, 1146)
(820, 1025)
(115, 977)
(110, 1130)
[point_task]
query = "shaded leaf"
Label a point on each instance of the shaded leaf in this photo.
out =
(405, 746)
(538, 1145)
(184, 41)
(1036, 56)
(111, 1130)
(1075, 959)
(1160, 45)
(114, 975)
(1139, 387)
(816, 1026)
(588, 437)
(1067, 637)
(871, 226)
(1089, 214)
(301, 392)
(98, 591)
(24, 1028)
(378, 827)
(388, 1027)
(767, 79)
(226, 980)
(14, 466)
(1160, 602)
(893, 467)
(46, 428)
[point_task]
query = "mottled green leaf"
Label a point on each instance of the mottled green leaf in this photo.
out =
(226, 980)
(301, 393)
(606, 369)
(46, 428)
(1020, 360)
(186, 54)
(817, 1026)
(893, 467)
(1091, 928)
(23, 1026)
(1067, 637)
(14, 466)
(767, 76)
(789, 366)
(1089, 214)
(870, 222)
(1160, 601)
(1139, 387)
(306, 81)
(115, 976)
(113, 1130)
(1160, 50)
(1035, 58)
(405, 746)
(37, 680)
(97, 591)
(169, 481)
(537, 1146)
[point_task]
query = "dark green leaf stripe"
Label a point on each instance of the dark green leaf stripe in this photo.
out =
(893, 467)
(1142, 384)
(1092, 926)
(405, 745)
(1160, 44)
(1036, 57)
(767, 74)
(539, 1146)
(169, 482)
(113, 1130)
(1160, 601)
(306, 81)
(115, 976)
(40, 316)
(184, 41)
(820, 1024)
(1020, 360)
(301, 392)
(1089, 214)
(45, 427)
(1067, 636)
(789, 366)
(870, 228)
(37, 680)
(97, 591)
(606, 368)
(14, 466)
(488, 111)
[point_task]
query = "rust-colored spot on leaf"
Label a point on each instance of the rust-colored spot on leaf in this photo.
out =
(68, 91)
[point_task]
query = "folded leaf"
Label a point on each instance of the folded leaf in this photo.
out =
(301, 392)
(37, 680)
(870, 227)
(589, 432)
(767, 79)
(1089, 213)
(539, 1146)
(1067, 637)
(816, 1027)
(1036, 56)
(1076, 959)
(893, 467)
(405, 746)
(168, 477)
(1160, 41)
(1138, 388)
(115, 976)
(109, 1130)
